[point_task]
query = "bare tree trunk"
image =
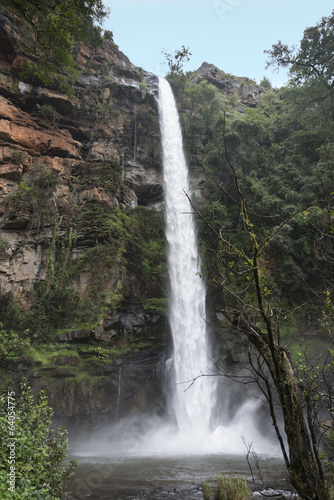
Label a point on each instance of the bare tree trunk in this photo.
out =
(304, 473)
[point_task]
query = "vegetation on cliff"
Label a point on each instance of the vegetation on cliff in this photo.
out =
(52, 30)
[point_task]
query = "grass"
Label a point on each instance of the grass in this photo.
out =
(226, 488)
(157, 304)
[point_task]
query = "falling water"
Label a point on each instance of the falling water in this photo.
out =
(187, 290)
(193, 401)
(119, 391)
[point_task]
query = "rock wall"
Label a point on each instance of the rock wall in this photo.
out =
(86, 393)
(102, 145)
(72, 171)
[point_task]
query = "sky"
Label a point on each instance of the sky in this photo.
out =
(231, 34)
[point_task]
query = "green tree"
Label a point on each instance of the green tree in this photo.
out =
(11, 344)
(34, 459)
(312, 63)
(265, 83)
(251, 310)
(176, 62)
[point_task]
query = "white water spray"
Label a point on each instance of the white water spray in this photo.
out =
(187, 290)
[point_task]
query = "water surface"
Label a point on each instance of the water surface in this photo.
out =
(157, 478)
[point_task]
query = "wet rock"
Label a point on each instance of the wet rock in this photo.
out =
(100, 334)
(81, 335)
(146, 183)
(108, 369)
(111, 323)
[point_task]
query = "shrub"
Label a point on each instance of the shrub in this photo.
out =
(207, 492)
(108, 35)
(38, 453)
(47, 111)
(17, 156)
(4, 245)
(143, 86)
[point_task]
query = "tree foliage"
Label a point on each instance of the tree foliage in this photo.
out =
(38, 451)
(177, 60)
(312, 63)
(11, 344)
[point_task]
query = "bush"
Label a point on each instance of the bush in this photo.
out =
(17, 156)
(108, 35)
(11, 344)
(36, 457)
(4, 245)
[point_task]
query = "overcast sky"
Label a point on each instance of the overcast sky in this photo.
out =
(231, 34)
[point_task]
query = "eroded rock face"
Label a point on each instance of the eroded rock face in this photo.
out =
(102, 145)
(125, 390)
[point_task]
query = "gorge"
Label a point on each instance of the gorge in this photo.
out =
(138, 454)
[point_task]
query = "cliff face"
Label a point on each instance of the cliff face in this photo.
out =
(67, 164)
(80, 205)
(98, 151)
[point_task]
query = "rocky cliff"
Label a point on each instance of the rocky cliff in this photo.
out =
(100, 149)
(244, 89)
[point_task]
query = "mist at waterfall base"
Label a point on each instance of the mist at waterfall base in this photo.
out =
(192, 426)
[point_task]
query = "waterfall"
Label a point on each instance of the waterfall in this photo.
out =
(193, 406)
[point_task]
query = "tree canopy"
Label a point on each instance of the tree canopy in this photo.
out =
(312, 62)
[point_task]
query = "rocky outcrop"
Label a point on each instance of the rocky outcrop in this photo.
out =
(77, 175)
(245, 90)
(114, 325)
